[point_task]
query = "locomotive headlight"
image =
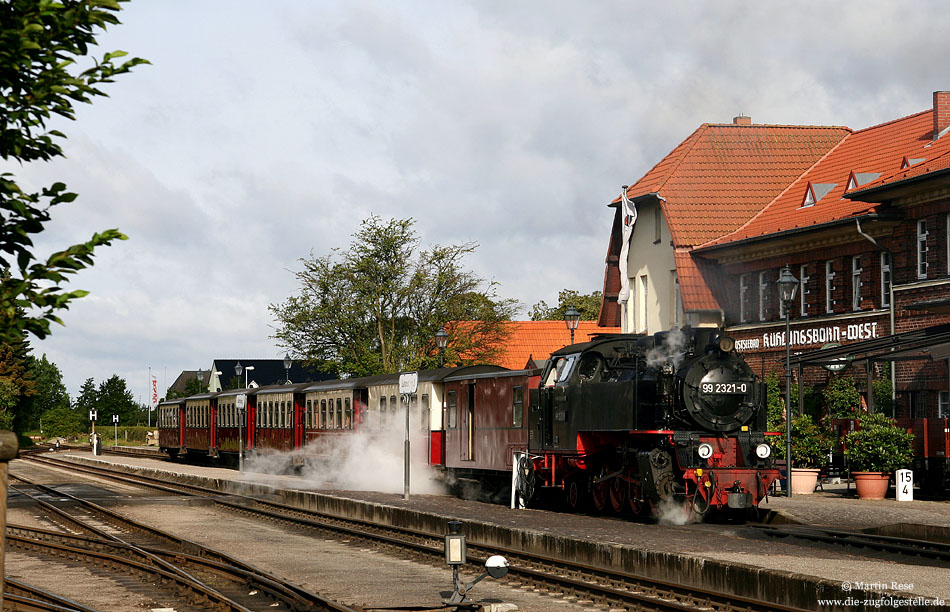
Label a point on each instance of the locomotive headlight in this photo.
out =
(705, 451)
(762, 451)
(726, 344)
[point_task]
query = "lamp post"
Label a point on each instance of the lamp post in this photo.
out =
(441, 340)
(787, 288)
(571, 318)
(242, 411)
(201, 377)
(287, 363)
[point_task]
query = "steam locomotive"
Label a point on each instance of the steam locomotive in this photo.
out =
(629, 423)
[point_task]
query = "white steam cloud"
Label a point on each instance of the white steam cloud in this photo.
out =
(367, 460)
(671, 351)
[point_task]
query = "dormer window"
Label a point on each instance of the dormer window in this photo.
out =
(911, 161)
(860, 178)
(814, 192)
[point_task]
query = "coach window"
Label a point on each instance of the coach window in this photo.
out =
(517, 407)
(392, 406)
(451, 407)
(339, 413)
(323, 414)
(347, 414)
(382, 411)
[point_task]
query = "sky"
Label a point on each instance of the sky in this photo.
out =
(263, 132)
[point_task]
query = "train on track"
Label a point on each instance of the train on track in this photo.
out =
(623, 423)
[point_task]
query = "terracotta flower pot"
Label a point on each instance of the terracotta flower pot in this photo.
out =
(871, 485)
(804, 480)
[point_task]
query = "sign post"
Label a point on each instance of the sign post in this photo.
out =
(408, 385)
(905, 485)
(93, 414)
(115, 423)
(241, 403)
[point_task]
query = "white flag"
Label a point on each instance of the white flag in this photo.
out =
(628, 215)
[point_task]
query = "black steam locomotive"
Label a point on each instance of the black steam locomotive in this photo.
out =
(628, 422)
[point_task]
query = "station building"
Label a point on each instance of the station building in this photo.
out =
(862, 217)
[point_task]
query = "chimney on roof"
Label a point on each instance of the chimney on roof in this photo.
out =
(941, 113)
(743, 120)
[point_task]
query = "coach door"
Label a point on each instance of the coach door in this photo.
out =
(468, 426)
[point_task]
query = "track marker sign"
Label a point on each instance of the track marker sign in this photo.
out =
(408, 382)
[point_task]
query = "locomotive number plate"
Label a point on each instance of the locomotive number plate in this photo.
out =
(729, 387)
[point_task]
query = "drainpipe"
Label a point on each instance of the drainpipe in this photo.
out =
(890, 256)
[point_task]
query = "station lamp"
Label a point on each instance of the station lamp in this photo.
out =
(442, 341)
(572, 318)
(287, 363)
(787, 288)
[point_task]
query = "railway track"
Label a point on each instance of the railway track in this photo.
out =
(205, 579)
(557, 577)
(857, 539)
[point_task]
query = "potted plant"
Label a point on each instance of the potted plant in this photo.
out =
(810, 447)
(874, 450)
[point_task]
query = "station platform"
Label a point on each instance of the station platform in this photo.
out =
(727, 557)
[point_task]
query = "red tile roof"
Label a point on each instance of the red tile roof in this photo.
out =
(722, 175)
(694, 277)
(877, 149)
(934, 164)
(538, 339)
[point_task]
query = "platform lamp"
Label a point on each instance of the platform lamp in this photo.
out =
(442, 341)
(571, 318)
(787, 288)
(287, 363)
(241, 405)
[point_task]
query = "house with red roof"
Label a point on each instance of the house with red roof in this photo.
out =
(861, 217)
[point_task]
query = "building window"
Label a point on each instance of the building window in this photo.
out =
(642, 307)
(451, 410)
(803, 290)
(657, 225)
(948, 244)
(922, 248)
(885, 279)
(856, 282)
(677, 302)
(829, 286)
(943, 410)
(743, 298)
(763, 294)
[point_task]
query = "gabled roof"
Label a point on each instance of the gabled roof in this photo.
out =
(536, 340)
(723, 174)
(940, 162)
(881, 148)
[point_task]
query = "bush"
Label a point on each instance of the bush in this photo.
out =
(810, 443)
(878, 445)
(841, 398)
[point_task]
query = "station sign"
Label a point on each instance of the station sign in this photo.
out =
(93, 414)
(810, 336)
(240, 401)
(408, 382)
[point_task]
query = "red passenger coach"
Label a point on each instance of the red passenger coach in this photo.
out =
(278, 418)
(198, 433)
(170, 419)
(333, 408)
(485, 420)
(228, 423)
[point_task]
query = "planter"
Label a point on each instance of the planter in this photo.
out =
(804, 480)
(871, 485)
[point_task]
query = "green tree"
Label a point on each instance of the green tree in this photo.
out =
(376, 307)
(49, 393)
(114, 397)
(15, 383)
(63, 421)
(588, 305)
(40, 44)
(88, 397)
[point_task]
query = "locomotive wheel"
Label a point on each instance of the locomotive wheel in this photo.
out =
(599, 495)
(635, 497)
(575, 494)
(617, 492)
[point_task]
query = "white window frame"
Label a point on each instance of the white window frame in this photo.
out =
(644, 292)
(885, 279)
(943, 405)
(743, 293)
(803, 289)
(922, 248)
(856, 283)
(829, 286)
(677, 301)
(763, 293)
